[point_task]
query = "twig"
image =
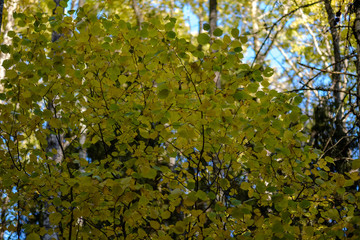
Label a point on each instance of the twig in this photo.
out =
(327, 71)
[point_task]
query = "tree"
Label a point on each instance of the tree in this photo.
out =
(242, 170)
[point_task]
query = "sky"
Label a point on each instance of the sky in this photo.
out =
(274, 55)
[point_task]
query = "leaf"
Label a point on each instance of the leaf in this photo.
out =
(203, 38)
(169, 26)
(298, 100)
(148, 172)
(165, 215)
(235, 32)
(33, 236)
(206, 26)
(355, 164)
(164, 93)
(238, 49)
(171, 34)
(218, 32)
(154, 224)
(245, 186)
(268, 72)
(305, 204)
(5, 48)
(201, 195)
(11, 74)
(55, 218)
(63, 4)
(179, 227)
(253, 87)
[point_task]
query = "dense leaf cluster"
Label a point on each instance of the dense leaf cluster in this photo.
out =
(170, 156)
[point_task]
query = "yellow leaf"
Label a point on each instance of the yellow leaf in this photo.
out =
(155, 224)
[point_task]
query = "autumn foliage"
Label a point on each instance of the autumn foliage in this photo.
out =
(170, 155)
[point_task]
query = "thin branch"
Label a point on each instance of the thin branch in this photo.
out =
(327, 71)
(279, 20)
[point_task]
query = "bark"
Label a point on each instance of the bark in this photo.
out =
(337, 59)
(72, 4)
(83, 150)
(213, 16)
(339, 132)
(10, 6)
(1, 11)
(356, 30)
(255, 26)
(213, 26)
(81, 3)
(201, 22)
(3, 214)
(138, 14)
(172, 7)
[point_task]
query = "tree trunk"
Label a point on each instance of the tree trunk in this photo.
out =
(81, 3)
(213, 26)
(213, 16)
(10, 6)
(356, 30)
(1, 11)
(337, 60)
(339, 132)
(255, 26)
(3, 214)
(139, 18)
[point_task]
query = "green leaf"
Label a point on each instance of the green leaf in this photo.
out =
(297, 100)
(288, 190)
(191, 185)
(355, 164)
(63, 4)
(203, 38)
(7, 64)
(323, 174)
(253, 87)
(5, 48)
(180, 227)
(33, 236)
(148, 172)
(238, 49)
(164, 93)
(235, 32)
(169, 26)
(243, 39)
(218, 32)
(171, 34)
(51, 4)
(55, 218)
(11, 34)
(268, 72)
(305, 204)
(206, 26)
(201, 195)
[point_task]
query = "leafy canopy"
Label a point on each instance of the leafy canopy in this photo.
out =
(171, 156)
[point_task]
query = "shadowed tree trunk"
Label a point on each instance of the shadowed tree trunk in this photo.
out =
(356, 30)
(339, 136)
(1, 11)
